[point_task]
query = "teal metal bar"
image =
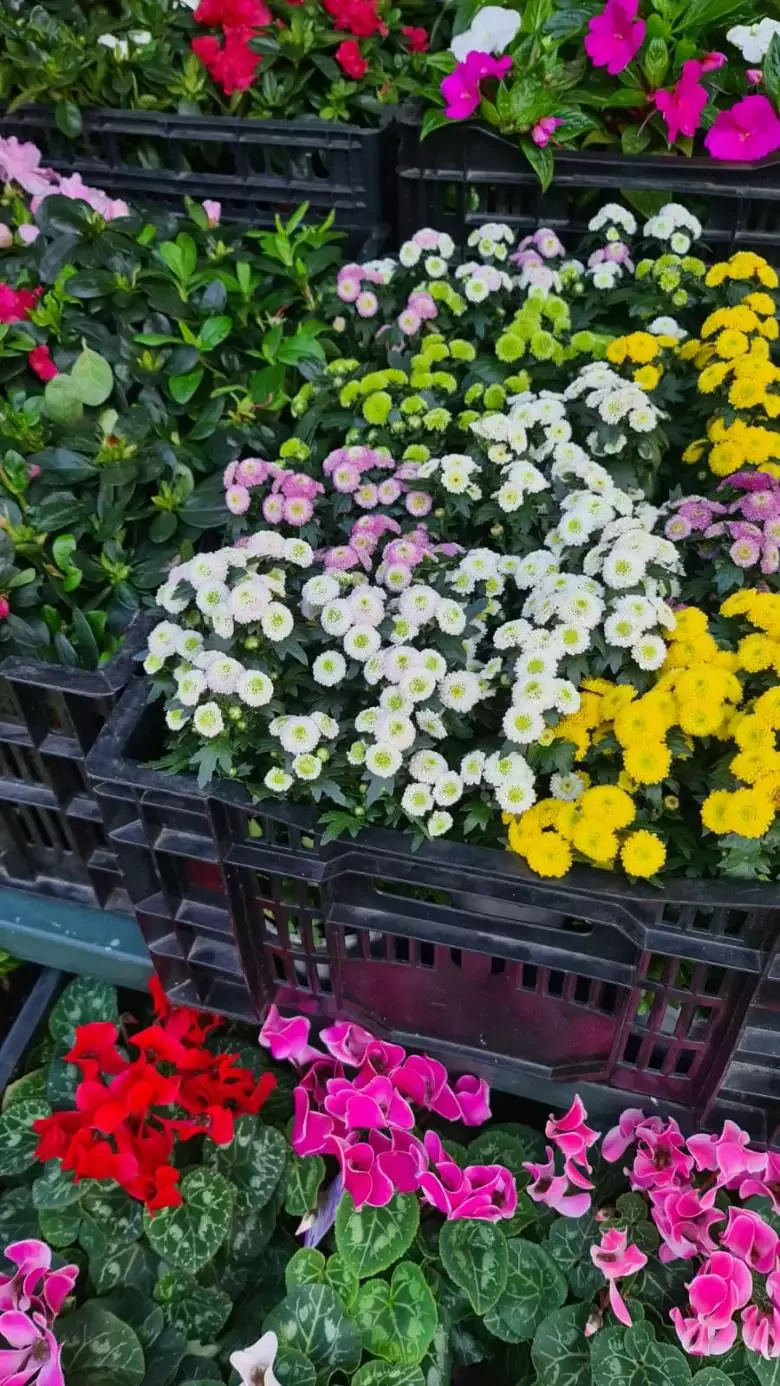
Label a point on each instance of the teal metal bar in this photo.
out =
(95, 943)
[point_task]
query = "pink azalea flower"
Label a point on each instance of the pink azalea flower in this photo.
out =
(712, 61)
(570, 1134)
(682, 107)
(751, 1239)
(347, 1042)
(20, 164)
(460, 88)
(615, 36)
(616, 1258)
(213, 211)
(754, 76)
(288, 1039)
(543, 129)
(554, 1189)
(749, 130)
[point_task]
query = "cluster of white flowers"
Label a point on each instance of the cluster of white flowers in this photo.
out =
(667, 327)
(480, 281)
(675, 224)
(434, 248)
(493, 241)
(617, 220)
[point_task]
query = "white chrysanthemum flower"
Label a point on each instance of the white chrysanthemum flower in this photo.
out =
(460, 691)
(448, 790)
(329, 668)
(176, 718)
(255, 688)
(535, 692)
(417, 800)
(212, 597)
(190, 686)
(567, 787)
(522, 725)
(430, 722)
(428, 766)
(409, 254)
(267, 543)
(643, 419)
(276, 621)
(299, 734)
(153, 664)
(207, 720)
(300, 553)
(366, 719)
(367, 605)
(393, 699)
(383, 760)
(222, 625)
(336, 617)
(439, 823)
(278, 780)
(515, 796)
(374, 668)
(566, 697)
(418, 685)
(318, 591)
(307, 767)
(435, 267)
(361, 642)
(623, 568)
(450, 617)
(207, 569)
(356, 754)
(327, 726)
(189, 643)
(395, 729)
(402, 631)
(223, 674)
(472, 766)
(621, 630)
(510, 635)
(418, 603)
(572, 639)
(455, 479)
(667, 327)
(649, 652)
(580, 609)
(167, 598)
(434, 662)
(249, 599)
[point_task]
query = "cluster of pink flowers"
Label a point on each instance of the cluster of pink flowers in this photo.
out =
(349, 468)
(616, 253)
(399, 556)
(572, 1138)
(30, 1301)
(290, 499)
(350, 287)
(461, 88)
(751, 522)
(367, 1120)
(20, 164)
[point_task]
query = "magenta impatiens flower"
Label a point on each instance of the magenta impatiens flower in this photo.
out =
(682, 107)
(749, 130)
(616, 1257)
(460, 88)
(543, 129)
(615, 36)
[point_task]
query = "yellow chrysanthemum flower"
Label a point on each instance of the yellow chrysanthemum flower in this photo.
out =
(608, 804)
(648, 762)
(643, 854)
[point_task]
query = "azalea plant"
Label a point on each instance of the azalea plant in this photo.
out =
(558, 76)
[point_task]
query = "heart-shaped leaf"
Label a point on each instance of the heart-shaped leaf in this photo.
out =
(18, 1218)
(188, 1237)
(398, 1320)
(292, 1368)
(55, 1188)
(623, 1355)
(114, 1267)
(255, 1159)
(18, 1141)
(383, 1374)
(312, 1319)
(475, 1256)
(60, 1227)
(309, 1267)
(199, 1313)
(569, 1242)
(92, 377)
(118, 1216)
(304, 1177)
(375, 1238)
(98, 1347)
(83, 1000)
(560, 1351)
(534, 1286)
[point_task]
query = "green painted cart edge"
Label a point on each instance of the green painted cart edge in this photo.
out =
(93, 943)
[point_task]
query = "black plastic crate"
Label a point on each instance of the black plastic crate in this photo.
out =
(545, 988)
(463, 175)
(255, 168)
(52, 839)
(44, 984)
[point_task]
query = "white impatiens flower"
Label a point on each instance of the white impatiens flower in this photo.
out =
(439, 823)
(299, 734)
(307, 767)
(255, 688)
(276, 621)
(383, 760)
(417, 800)
(207, 720)
(279, 781)
(753, 40)
(491, 31)
(329, 668)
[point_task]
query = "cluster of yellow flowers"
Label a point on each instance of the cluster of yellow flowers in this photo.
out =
(644, 350)
(733, 356)
(699, 691)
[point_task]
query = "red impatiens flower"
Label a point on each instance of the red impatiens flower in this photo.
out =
(16, 304)
(358, 17)
(39, 360)
(232, 65)
(128, 1113)
(416, 38)
(350, 58)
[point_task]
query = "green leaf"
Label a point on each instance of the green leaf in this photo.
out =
(398, 1320)
(60, 1226)
(55, 1188)
(18, 1141)
(255, 1159)
(771, 70)
(84, 999)
(541, 160)
(768, 1373)
(250, 1228)
(213, 332)
(97, 1347)
(569, 1242)
(312, 1319)
(164, 1358)
(292, 1368)
(64, 465)
(118, 1216)
(62, 1080)
(163, 527)
(68, 118)
(18, 1219)
(711, 1376)
(189, 1236)
(534, 1286)
(139, 1311)
(199, 1313)
(474, 1255)
(624, 1355)
(560, 1351)
(383, 1374)
(63, 401)
(28, 1086)
(372, 1240)
(183, 387)
(92, 378)
(113, 1267)
(91, 283)
(304, 1177)
(309, 1267)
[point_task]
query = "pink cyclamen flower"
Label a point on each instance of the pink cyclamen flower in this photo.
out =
(364, 1179)
(761, 1326)
(615, 1257)
(237, 500)
(34, 1286)
(684, 1217)
(473, 1095)
(751, 1239)
(723, 1285)
(661, 1159)
(616, 1142)
(554, 1189)
(487, 1193)
(615, 36)
(213, 211)
(749, 130)
(571, 1135)
(543, 129)
(682, 107)
(460, 88)
(347, 1042)
(727, 1155)
(375, 1106)
(33, 1357)
(312, 1131)
(288, 1039)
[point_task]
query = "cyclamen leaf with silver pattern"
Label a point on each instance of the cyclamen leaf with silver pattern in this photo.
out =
(18, 1141)
(398, 1320)
(560, 1351)
(569, 1242)
(30, 1085)
(114, 1267)
(475, 1256)
(97, 1347)
(303, 1180)
(534, 1286)
(164, 1358)
(60, 1227)
(201, 1313)
(18, 1218)
(312, 1319)
(768, 1373)
(139, 1311)
(632, 1357)
(293, 1368)
(500, 1146)
(383, 1374)
(737, 1366)
(713, 1376)
(255, 1159)
(118, 1216)
(375, 1238)
(309, 1267)
(62, 1081)
(188, 1237)
(250, 1228)
(55, 1188)
(84, 1000)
